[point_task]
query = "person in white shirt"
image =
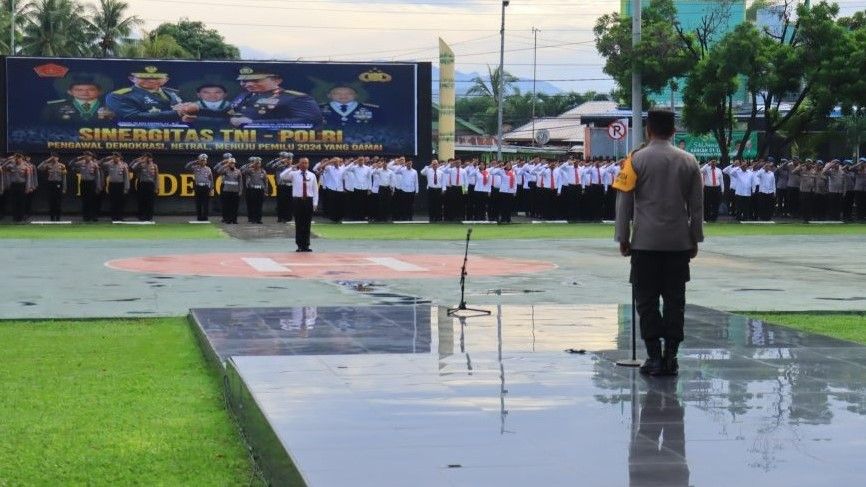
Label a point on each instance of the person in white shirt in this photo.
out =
(506, 176)
(435, 187)
(741, 181)
(358, 178)
(305, 199)
(569, 188)
(608, 174)
(405, 190)
(455, 189)
(594, 191)
(714, 187)
(765, 179)
(479, 191)
(333, 185)
(383, 189)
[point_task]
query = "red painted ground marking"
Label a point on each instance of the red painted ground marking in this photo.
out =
(327, 265)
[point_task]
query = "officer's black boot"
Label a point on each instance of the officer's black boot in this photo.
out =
(653, 364)
(670, 365)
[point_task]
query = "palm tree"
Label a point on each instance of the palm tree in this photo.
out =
(57, 28)
(490, 87)
(21, 7)
(154, 46)
(112, 25)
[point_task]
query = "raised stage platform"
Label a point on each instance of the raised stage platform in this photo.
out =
(405, 395)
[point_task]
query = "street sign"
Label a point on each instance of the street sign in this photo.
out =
(617, 130)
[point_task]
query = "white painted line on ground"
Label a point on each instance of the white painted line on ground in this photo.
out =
(757, 222)
(410, 222)
(396, 264)
(51, 223)
(826, 222)
(196, 222)
(265, 264)
(135, 223)
(557, 222)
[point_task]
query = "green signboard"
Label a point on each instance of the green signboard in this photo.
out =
(705, 146)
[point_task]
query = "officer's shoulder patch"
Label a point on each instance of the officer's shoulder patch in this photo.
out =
(122, 91)
(369, 105)
(52, 102)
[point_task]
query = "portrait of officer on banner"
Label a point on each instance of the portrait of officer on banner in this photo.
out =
(148, 99)
(343, 108)
(264, 102)
(83, 103)
(213, 105)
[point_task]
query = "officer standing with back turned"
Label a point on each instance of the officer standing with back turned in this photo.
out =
(659, 223)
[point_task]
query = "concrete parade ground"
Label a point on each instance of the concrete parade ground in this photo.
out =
(140, 277)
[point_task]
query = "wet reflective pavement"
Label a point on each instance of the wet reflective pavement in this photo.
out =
(496, 401)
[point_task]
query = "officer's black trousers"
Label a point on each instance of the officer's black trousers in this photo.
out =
(303, 208)
(659, 274)
(17, 193)
(55, 199)
(712, 198)
(480, 204)
(409, 206)
(230, 201)
(506, 205)
(116, 198)
(819, 206)
(202, 202)
(146, 200)
(569, 200)
(336, 205)
(848, 206)
(793, 202)
(834, 206)
(494, 209)
(470, 200)
(384, 203)
(860, 201)
(807, 203)
(284, 203)
(255, 199)
(434, 203)
(744, 207)
(609, 210)
(454, 205)
(594, 201)
(89, 201)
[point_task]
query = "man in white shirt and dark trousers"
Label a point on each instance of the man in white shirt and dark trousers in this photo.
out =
(435, 184)
(305, 196)
(714, 186)
(765, 179)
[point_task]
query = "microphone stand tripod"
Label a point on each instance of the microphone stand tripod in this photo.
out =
(463, 273)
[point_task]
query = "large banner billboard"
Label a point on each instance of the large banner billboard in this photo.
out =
(181, 106)
(705, 146)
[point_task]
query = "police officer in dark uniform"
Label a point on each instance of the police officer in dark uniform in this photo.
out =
(82, 105)
(256, 187)
(55, 174)
(343, 109)
(264, 101)
(148, 100)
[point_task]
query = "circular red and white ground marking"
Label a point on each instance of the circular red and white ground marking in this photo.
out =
(294, 265)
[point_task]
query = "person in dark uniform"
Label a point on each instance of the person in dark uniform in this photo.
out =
(663, 240)
(148, 99)
(264, 101)
(343, 109)
(90, 184)
(117, 175)
(232, 189)
(203, 181)
(284, 188)
(55, 175)
(20, 187)
(305, 191)
(146, 182)
(255, 187)
(82, 105)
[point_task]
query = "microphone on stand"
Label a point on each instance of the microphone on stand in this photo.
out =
(463, 274)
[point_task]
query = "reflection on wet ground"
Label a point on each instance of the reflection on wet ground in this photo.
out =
(406, 392)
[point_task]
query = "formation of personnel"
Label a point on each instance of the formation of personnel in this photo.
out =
(810, 189)
(379, 189)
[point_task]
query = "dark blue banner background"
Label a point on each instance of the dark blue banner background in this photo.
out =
(42, 115)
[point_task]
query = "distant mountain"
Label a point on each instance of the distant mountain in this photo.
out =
(464, 82)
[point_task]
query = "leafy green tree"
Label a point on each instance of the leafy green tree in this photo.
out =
(154, 47)
(57, 28)
(112, 25)
(196, 39)
(21, 8)
(853, 126)
(664, 52)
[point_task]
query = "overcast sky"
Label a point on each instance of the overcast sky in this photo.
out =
(408, 30)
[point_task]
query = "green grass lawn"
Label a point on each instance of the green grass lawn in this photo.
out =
(113, 402)
(845, 326)
(554, 231)
(108, 231)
